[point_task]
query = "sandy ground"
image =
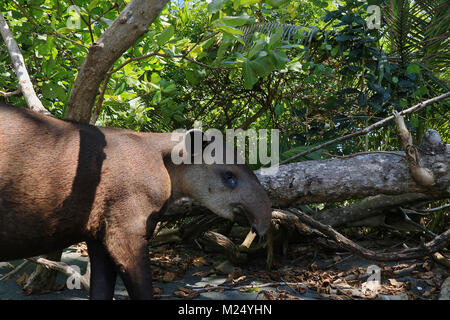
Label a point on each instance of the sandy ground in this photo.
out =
(10, 290)
(423, 283)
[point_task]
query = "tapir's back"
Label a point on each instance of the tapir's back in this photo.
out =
(49, 172)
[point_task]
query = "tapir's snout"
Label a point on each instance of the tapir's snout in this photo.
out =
(258, 217)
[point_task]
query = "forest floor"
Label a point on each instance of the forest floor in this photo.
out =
(184, 272)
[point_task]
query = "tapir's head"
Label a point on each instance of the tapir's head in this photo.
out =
(230, 189)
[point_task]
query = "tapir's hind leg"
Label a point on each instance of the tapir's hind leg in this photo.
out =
(103, 272)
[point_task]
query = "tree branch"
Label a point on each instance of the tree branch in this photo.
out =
(25, 85)
(438, 243)
(132, 23)
(10, 94)
(372, 127)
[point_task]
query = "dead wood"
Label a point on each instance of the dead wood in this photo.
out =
(225, 245)
(63, 268)
(438, 243)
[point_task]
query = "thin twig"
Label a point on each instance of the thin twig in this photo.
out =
(370, 128)
(85, 21)
(8, 276)
(10, 94)
(55, 33)
(363, 153)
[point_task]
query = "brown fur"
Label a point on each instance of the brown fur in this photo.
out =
(63, 183)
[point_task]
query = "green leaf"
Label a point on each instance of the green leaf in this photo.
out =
(334, 51)
(165, 35)
(362, 99)
(279, 109)
(236, 21)
(249, 75)
(247, 2)
(155, 78)
(262, 66)
(257, 47)
(276, 37)
(229, 29)
(277, 3)
(192, 77)
(215, 6)
(120, 88)
(343, 37)
(65, 30)
(413, 68)
(92, 5)
(156, 97)
(278, 58)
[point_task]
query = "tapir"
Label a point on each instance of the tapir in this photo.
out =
(63, 182)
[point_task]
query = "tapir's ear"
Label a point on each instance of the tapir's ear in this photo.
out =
(196, 141)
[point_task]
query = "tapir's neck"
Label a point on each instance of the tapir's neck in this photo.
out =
(164, 143)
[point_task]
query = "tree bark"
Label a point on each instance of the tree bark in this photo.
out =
(356, 177)
(132, 23)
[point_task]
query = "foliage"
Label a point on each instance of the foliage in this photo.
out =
(312, 69)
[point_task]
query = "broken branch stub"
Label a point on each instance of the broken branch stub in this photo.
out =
(421, 175)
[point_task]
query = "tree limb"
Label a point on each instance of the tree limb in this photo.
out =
(132, 23)
(24, 81)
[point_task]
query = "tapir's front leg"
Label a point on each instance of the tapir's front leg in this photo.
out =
(103, 272)
(126, 240)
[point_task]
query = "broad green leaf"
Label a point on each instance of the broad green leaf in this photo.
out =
(343, 37)
(278, 58)
(279, 109)
(229, 29)
(65, 30)
(92, 5)
(155, 78)
(261, 66)
(277, 3)
(362, 99)
(156, 97)
(334, 51)
(248, 2)
(249, 75)
(276, 37)
(295, 66)
(215, 6)
(257, 47)
(236, 21)
(120, 88)
(165, 35)
(413, 68)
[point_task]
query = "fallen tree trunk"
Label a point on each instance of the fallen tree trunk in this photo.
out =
(357, 176)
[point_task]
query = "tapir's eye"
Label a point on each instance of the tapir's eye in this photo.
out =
(229, 179)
